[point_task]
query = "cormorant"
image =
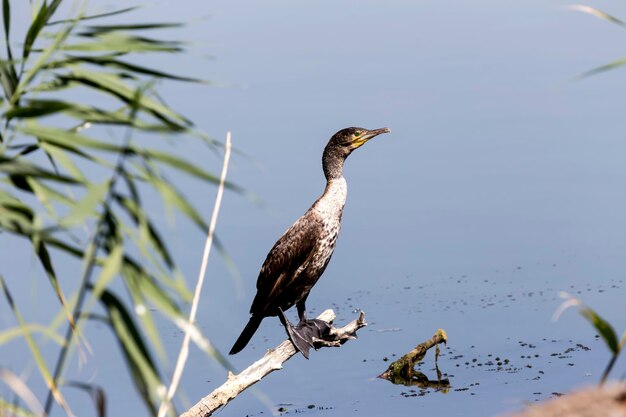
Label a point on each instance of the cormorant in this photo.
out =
(302, 253)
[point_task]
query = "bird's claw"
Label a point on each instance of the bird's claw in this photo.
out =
(307, 333)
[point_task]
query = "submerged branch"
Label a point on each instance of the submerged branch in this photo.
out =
(402, 371)
(272, 361)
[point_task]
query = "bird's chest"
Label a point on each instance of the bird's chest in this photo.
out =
(330, 209)
(330, 205)
(326, 245)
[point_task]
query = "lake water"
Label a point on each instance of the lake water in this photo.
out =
(500, 185)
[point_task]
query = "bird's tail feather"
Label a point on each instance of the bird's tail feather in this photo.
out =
(246, 334)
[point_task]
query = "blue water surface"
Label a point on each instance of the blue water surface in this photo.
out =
(500, 184)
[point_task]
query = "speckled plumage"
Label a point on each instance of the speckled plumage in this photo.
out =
(300, 256)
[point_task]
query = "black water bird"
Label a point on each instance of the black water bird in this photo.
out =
(302, 253)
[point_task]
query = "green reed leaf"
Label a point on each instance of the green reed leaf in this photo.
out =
(603, 327)
(86, 206)
(136, 353)
(20, 167)
(124, 43)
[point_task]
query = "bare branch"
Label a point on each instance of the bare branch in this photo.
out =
(273, 360)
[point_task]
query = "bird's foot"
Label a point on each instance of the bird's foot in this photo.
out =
(313, 329)
(304, 334)
(310, 331)
(298, 338)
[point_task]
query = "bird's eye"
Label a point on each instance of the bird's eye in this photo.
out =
(356, 134)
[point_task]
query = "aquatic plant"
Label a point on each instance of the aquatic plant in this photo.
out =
(84, 138)
(609, 18)
(604, 328)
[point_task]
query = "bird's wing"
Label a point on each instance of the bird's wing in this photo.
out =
(286, 260)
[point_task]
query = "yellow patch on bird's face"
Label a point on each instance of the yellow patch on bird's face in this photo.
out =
(358, 140)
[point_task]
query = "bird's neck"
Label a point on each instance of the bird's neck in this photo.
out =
(332, 162)
(331, 203)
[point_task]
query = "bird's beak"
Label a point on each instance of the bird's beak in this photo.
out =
(370, 134)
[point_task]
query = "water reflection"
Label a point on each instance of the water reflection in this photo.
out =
(402, 371)
(420, 380)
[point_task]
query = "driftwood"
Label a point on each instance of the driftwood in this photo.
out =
(403, 370)
(273, 360)
(609, 401)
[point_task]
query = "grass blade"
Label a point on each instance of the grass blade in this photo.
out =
(181, 165)
(22, 168)
(610, 66)
(172, 198)
(7, 335)
(111, 267)
(113, 84)
(21, 389)
(87, 206)
(44, 257)
(35, 352)
(6, 14)
(136, 353)
(9, 65)
(34, 29)
(96, 393)
(124, 43)
(95, 16)
(137, 214)
(132, 278)
(66, 139)
(36, 109)
(17, 410)
(597, 13)
(110, 61)
(603, 327)
(42, 60)
(8, 78)
(15, 216)
(60, 156)
(145, 286)
(46, 195)
(98, 29)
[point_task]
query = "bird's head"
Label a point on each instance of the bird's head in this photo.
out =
(342, 144)
(351, 138)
